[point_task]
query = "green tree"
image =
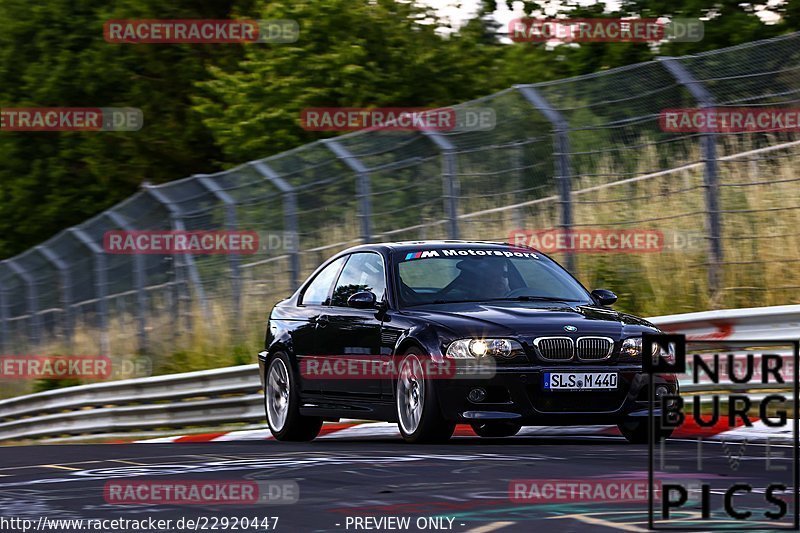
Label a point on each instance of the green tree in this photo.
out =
(354, 53)
(726, 23)
(211, 106)
(53, 54)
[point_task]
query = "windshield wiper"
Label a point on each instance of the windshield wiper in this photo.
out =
(532, 299)
(511, 299)
(457, 301)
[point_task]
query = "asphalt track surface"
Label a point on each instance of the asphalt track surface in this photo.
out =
(466, 480)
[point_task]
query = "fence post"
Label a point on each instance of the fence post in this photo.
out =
(4, 340)
(231, 224)
(450, 184)
(139, 282)
(362, 185)
(31, 299)
(517, 164)
(66, 290)
(100, 284)
(177, 225)
(561, 152)
(289, 217)
(708, 147)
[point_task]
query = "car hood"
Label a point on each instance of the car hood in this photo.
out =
(529, 319)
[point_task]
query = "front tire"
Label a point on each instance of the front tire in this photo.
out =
(495, 429)
(418, 414)
(282, 403)
(636, 431)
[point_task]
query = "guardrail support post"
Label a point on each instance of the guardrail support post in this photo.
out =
(139, 282)
(100, 283)
(289, 217)
(450, 184)
(561, 152)
(363, 186)
(31, 300)
(191, 267)
(231, 224)
(708, 147)
(68, 321)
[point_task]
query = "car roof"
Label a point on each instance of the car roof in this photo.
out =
(405, 246)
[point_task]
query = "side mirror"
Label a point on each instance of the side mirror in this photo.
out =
(604, 296)
(362, 300)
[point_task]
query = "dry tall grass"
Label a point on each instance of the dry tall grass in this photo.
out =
(759, 197)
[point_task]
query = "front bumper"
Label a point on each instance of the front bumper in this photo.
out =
(517, 394)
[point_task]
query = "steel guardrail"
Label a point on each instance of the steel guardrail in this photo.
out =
(232, 395)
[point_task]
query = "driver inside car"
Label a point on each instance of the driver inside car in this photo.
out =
(482, 279)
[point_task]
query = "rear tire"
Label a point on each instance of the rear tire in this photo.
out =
(495, 429)
(282, 403)
(636, 432)
(418, 414)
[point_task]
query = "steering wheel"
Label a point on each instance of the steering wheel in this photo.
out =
(449, 287)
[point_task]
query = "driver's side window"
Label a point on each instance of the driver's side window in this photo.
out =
(363, 272)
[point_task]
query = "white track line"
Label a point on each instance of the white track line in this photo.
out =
(251, 434)
(494, 526)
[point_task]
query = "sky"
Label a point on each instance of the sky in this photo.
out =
(458, 11)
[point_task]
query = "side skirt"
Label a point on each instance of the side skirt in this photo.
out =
(378, 410)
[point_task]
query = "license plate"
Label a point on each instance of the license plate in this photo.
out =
(580, 380)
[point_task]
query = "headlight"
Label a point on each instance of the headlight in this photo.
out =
(475, 348)
(632, 347)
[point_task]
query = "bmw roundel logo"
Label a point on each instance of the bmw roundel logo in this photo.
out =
(570, 328)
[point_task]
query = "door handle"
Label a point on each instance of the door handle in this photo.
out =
(322, 320)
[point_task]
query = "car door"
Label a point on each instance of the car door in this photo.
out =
(314, 303)
(355, 334)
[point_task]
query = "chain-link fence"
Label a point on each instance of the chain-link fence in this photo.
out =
(586, 152)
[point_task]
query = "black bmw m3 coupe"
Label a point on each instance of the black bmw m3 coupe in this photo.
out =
(434, 333)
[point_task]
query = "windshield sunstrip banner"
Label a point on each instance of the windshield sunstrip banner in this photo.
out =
(423, 254)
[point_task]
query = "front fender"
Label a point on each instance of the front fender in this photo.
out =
(278, 338)
(430, 338)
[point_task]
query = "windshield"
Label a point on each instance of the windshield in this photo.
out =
(480, 275)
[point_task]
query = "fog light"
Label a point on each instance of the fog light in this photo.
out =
(477, 395)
